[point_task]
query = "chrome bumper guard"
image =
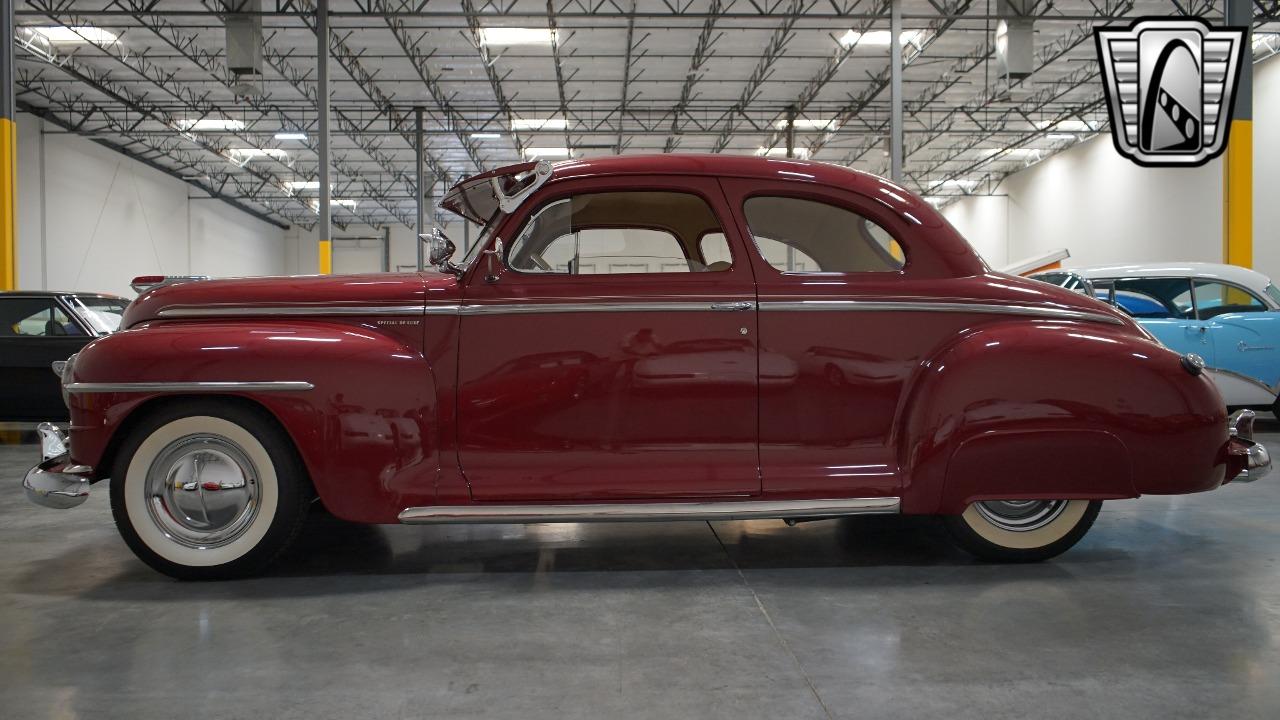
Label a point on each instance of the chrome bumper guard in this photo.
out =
(1257, 461)
(55, 483)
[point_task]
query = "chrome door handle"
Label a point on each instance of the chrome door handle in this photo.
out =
(732, 306)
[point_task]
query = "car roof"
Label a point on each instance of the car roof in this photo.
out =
(754, 167)
(1244, 277)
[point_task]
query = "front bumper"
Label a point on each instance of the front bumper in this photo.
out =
(1247, 457)
(55, 482)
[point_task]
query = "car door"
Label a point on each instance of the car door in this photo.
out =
(35, 331)
(1243, 331)
(608, 352)
(831, 382)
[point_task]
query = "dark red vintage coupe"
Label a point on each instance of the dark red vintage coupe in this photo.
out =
(638, 338)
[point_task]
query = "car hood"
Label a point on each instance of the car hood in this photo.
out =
(306, 291)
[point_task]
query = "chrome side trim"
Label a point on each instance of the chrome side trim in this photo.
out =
(1274, 390)
(644, 511)
(614, 307)
(931, 306)
(205, 311)
(216, 386)
(196, 311)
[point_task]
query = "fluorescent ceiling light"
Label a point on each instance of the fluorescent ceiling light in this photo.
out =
(533, 152)
(1063, 136)
(485, 136)
(878, 38)
(1012, 153)
(211, 124)
(516, 36)
(291, 135)
(808, 124)
(76, 35)
(349, 204)
(539, 124)
(800, 152)
(304, 185)
(247, 154)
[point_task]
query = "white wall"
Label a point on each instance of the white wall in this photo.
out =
(1105, 209)
(1266, 166)
(984, 221)
(91, 219)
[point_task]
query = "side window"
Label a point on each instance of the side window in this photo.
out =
(1215, 298)
(800, 236)
(614, 233)
(34, 317)
(715, 251)
(1155, 298)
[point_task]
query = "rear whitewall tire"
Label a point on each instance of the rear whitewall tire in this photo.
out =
(982, 531)
(254, 459)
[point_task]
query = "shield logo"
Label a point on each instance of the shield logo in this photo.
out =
(1169, 86)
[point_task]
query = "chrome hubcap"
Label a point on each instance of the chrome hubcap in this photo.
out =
(202, 491)
(1021, 515)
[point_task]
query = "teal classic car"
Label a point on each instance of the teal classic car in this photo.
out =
(1228, 315)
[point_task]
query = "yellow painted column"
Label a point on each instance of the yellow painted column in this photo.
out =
(1237, 161)
(1237, 196)
(8, 204)
(8, 155)
(326, 257)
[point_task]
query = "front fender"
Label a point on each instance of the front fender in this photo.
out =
(1033, 410)
(367, 431)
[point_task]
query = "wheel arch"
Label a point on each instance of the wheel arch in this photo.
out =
(152, 405)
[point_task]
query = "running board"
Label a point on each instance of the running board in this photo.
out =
(644, 511)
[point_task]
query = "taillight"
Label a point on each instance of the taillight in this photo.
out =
(143, 283)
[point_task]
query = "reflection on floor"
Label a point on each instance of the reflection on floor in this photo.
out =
(1169, 608)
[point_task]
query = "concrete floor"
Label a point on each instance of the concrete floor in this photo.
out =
(1169, 608)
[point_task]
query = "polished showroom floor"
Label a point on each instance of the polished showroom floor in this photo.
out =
(1170, 608)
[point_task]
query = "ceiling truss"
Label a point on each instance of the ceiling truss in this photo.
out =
(147, 77)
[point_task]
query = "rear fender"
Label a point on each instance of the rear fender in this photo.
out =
(367, 430)
(1035, 410)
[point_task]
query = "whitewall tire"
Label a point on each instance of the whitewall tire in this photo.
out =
(1022, 530)
(208, 489)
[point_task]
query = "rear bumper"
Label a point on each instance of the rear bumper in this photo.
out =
(1247, 459)
(55, 482)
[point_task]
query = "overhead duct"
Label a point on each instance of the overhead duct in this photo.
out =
(1015, 39)
(244, 45)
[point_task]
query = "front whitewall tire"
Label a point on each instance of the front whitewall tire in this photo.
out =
(164, 544)
(208, 488)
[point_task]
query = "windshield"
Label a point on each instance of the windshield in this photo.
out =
(102, 314)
